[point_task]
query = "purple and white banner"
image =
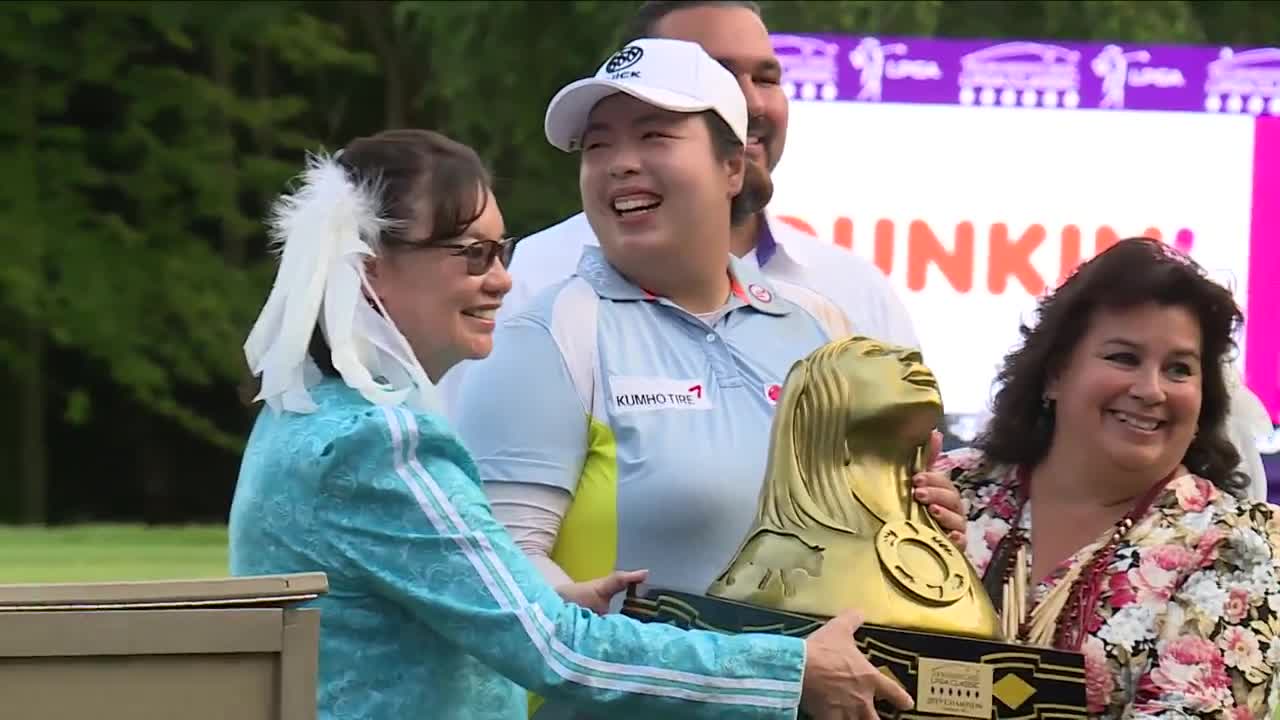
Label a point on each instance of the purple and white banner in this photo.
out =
(1031, 74)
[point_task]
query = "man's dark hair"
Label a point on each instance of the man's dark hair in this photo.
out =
(645, 22)
(754, 196)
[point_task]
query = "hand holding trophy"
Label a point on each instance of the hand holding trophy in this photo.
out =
(837, 528)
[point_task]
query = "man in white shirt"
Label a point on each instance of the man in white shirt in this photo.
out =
(733, 33)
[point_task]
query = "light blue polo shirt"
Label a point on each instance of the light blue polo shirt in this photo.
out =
(656, 422)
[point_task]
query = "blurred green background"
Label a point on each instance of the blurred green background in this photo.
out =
(100, 553)
(146, 140)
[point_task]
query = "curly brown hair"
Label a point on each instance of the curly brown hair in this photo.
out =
(1133, 272)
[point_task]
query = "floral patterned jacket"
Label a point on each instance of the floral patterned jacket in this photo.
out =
(1191, 608)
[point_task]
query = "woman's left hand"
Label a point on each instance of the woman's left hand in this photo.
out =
(935, 491)
(595, 595)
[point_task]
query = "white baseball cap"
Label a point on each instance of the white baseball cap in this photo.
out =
(673, 75)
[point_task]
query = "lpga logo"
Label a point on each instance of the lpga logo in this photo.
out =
(1112, 66)
(874, 61)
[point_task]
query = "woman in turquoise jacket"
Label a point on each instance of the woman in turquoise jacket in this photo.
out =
(392, 266)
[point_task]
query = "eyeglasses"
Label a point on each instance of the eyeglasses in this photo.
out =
(481, 253)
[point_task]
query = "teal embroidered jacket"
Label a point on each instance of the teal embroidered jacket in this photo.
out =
(433, 612)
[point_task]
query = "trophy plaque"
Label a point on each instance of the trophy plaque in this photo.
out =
(837, 528)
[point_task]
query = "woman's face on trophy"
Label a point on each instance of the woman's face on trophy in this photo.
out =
(888, 382)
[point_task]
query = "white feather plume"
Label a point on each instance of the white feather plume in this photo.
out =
(324, 232)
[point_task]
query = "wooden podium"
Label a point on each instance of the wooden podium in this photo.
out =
(196, 650)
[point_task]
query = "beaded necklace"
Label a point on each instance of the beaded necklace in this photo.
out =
(1079, 611)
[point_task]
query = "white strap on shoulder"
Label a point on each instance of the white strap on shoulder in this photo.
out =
(823, 309)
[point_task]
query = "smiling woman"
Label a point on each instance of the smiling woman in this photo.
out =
(439, 203)
(664, 340)
(1109, 432)
(1142, 315)
(391, 266)
(643, 441)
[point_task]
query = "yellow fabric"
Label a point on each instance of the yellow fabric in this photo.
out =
(587, 544)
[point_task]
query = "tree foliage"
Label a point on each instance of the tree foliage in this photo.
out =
(149, 137)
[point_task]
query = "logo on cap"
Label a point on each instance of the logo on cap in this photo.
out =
(760, 293)
(624, 58)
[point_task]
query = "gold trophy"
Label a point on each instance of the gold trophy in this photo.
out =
(837, 528)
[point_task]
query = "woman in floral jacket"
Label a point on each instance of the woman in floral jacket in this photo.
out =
(1109, 432)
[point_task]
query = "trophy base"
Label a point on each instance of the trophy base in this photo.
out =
(948, 676)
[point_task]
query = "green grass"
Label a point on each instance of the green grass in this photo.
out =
(102, 553)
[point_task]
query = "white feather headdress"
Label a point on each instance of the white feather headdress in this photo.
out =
(324, 233)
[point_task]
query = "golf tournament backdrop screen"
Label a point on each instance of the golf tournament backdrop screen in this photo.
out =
(978, 174)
